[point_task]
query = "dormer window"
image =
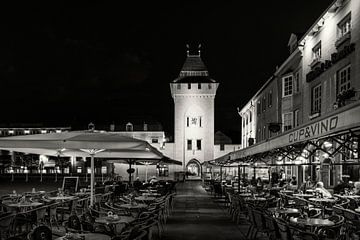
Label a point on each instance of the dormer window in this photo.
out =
(317, 52)
(344, 26)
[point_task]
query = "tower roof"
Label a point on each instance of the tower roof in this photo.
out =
(193, 63)
(194, 70)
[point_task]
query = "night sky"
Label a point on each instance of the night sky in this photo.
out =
(74, 64)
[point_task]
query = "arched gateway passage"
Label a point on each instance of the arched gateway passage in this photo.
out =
(193, 167)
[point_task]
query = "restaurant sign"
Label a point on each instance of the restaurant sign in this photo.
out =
(315, 129)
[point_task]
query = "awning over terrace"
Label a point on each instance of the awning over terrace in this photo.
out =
(341, 126)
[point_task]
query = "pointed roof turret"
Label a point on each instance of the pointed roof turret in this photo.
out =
(194, 69)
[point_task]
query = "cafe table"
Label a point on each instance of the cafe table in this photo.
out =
(312, 222)
(244, 194)
(133, 206)
(86, 236)
(303, 195)
(284, 210)
(61, 198)
(114, 220)
(24, 206)
(323, 200)
(145, 198)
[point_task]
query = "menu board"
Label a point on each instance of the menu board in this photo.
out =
(70, 184)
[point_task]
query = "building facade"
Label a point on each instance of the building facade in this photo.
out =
(312, 127)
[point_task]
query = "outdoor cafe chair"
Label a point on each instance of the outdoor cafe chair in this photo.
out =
(40, 233)
(337, 231)
(284, 229)
(259, 219)
(271, 227)
(305, 236)
(5, 225)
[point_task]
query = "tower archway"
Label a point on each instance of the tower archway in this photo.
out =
(193, 167)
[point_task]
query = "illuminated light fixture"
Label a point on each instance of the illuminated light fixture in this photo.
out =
(11, 131)
(279, 158)
(147, 149)
(279, 162)
(26, 131)
(298, 161)
(43, 131)
(327, 144)
(326, 155)
(58, 131)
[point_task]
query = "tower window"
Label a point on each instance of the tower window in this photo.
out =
(200, 121)
(199, 85)
(179, 86)
(187, 121)
(222, 147)
(189, 85)
(198, 144)
(189, 144)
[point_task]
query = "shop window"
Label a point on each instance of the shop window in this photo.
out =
(316, 99)
(287, 121)
(343, 79)
(198, 144)
(287, 86)
(189, 144)
(162, 170)
(103, 169)
(344, 26)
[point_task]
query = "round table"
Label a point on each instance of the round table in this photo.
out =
(112, 220)
(151, 194)
(24, 205)
(244, 194)
(255, 199)
(287, 191)
(88, 236)
(323, 200)
(133, 206)
(313, 222)
(303, 195)
(61, 198)
(145, 198)
(284, 210)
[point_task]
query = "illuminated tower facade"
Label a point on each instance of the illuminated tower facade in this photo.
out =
(194, 99)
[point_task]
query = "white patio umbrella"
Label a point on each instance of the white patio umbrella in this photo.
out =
(83, 144)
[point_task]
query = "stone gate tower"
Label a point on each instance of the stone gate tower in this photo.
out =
(194, 98)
